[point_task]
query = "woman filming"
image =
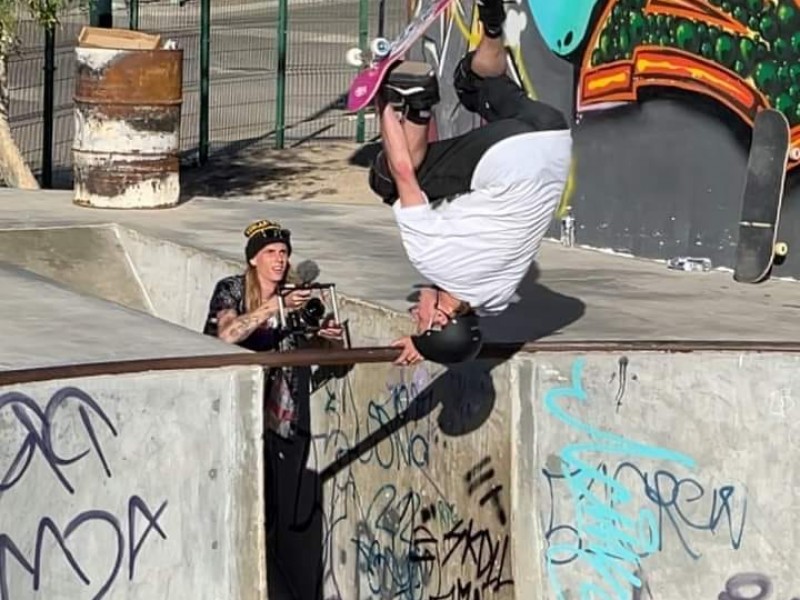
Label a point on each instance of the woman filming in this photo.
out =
(244, 309)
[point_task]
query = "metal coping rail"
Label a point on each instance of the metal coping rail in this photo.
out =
(368, 355)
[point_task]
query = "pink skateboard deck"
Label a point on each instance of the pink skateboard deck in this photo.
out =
(366, 84)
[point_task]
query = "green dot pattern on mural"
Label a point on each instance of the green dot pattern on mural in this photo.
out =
(767, 56)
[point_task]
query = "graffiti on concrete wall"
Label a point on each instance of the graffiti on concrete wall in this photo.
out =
(404, 512)
(607, 514)
(748, 586)
(65, 440)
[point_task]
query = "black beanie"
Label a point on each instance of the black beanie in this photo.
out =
(264, 233)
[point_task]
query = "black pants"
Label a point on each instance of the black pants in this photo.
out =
(449, 164)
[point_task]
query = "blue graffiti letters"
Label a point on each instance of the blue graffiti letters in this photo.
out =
(386, 545)
(408, 447)
(674, 497)
(608, 541)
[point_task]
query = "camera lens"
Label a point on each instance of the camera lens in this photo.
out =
(313, 312)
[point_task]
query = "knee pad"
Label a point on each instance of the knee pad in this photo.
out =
(381, 181)
(467, 84)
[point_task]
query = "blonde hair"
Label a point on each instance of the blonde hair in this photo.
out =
(252, 289)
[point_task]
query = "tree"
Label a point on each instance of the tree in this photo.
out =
(14, 171)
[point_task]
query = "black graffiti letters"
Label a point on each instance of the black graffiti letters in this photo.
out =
(95, 521)
(481, 558)
(748, 586)
(135, 544)
(680, 504)
(40, 425)
(91, 546)
(483, 473)
(740, 587)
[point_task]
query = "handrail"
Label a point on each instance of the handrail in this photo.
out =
(377, 354)
(290, 358)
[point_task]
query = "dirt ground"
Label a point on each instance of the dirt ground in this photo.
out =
(331, 172)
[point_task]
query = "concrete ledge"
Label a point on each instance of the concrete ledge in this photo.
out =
(143, 486)
(48, 324)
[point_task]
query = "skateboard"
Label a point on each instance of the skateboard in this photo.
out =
(386, 53)
(758, 246)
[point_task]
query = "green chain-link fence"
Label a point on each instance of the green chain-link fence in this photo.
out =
(254, 97)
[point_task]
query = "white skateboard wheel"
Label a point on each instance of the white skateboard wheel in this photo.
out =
(781, 249)
(794, 153)
(380, 47)
(355, 57)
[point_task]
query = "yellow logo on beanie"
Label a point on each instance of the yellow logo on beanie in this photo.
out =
(260, 226)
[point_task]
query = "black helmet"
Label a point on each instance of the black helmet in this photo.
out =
(458, 341)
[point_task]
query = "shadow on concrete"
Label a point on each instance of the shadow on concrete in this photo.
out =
(299, 531)
(258, 168)
(466, 395)
(294, 514)
(540, 312)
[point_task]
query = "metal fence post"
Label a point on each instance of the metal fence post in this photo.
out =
(49, 104)
(205, 75)
(280, 84)
(134, 16)
(101, 14)
(363, 35)
(381, 18)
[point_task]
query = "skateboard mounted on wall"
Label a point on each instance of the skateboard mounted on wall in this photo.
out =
(758, 248)
(386, 53)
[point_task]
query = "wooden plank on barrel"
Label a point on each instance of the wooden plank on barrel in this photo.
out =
(118, 39)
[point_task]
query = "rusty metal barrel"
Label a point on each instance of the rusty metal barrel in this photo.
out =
(127, 127)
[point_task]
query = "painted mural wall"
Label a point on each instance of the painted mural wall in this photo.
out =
(661, 95)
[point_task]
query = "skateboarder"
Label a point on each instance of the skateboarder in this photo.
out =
(498, 186)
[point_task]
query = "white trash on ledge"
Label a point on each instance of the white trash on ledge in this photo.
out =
(688, 263)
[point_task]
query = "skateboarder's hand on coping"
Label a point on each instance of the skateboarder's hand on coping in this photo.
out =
(409, 355)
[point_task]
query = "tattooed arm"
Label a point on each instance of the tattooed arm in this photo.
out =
(233, 329)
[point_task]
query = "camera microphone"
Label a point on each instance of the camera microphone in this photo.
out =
(307, 271)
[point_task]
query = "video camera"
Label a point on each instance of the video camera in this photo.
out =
(308, 320)
(314, 312)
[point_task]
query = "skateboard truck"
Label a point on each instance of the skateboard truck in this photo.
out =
(379, 48)
(386, 53)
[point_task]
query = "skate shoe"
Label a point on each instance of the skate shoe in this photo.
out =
(492, 14)
(411, 87)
